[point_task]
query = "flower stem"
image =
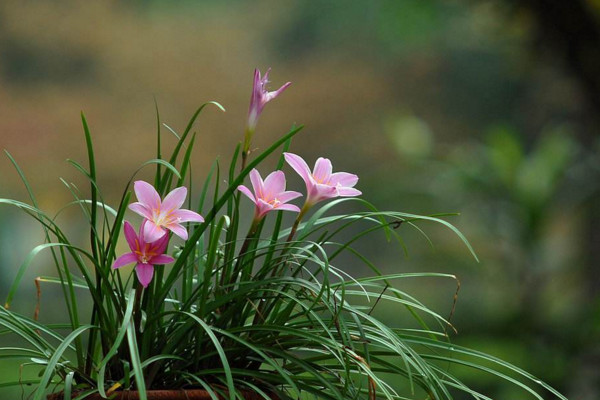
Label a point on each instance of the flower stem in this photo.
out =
(241, 255)
(259, 315)
(244, 158)
(288, 241)
(305, 208)
(137, 308)
(248, 133)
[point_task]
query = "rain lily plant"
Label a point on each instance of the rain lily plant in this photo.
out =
(192, 303)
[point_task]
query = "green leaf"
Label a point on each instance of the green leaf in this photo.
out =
(135, 361)
(220, 350)
(164, 163)
(117, 343)
(50, 369)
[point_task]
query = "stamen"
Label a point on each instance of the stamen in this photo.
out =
(275, 202)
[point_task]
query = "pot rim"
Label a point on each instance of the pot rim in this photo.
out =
(160, 394)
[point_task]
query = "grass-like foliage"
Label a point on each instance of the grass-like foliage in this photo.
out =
(272, 311)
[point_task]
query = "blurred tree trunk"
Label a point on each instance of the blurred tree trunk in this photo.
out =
(571, 28)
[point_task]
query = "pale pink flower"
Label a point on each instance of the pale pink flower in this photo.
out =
(269, 194)
(145, 254)
(260, 97)
(165, 214)
(321, 183)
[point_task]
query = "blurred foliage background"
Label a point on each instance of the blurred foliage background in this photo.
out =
(489, 108)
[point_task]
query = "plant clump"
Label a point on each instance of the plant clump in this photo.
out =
(272, 311)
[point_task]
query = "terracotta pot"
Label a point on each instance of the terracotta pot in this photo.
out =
(195, 394)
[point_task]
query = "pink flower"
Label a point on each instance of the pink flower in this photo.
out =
(269, 195)
(145, 254)
(321, 184)
(260, 97)
(162, 215)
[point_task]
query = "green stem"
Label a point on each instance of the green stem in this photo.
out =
(288, 241)
(305, 208)
(261, 307)
(137, 313)
(248, 133)
(241, 255)
(244, 158)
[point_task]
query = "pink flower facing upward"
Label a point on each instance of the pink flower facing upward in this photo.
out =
(321, 183)
(161, 215)
(145, 254)
(260, 97)
(269, 194)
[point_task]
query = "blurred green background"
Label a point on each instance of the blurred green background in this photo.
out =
(487, 108)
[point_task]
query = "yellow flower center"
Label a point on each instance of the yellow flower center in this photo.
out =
(144, 256)
(320, 180)
(275, 202)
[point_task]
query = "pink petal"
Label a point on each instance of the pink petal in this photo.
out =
(274, 184)
(151, 232)
(321, 192)
(257, 83)
(265, 79)
(144, 273)
(322, 170)
(288, 196)
(131, 236)
(255, 106)
(160, 245)
(257, 183)
(348, 192)
(271, 95)
(141, 209)
(146, 194)
(247, 192)
(262, 207)
(178, 230)
(187, 216)
(281, 89)
(141, 237)
(288, 207)
(343, 179)
(299, 165)
(174, 199)
(162, 259)
(125, 259)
